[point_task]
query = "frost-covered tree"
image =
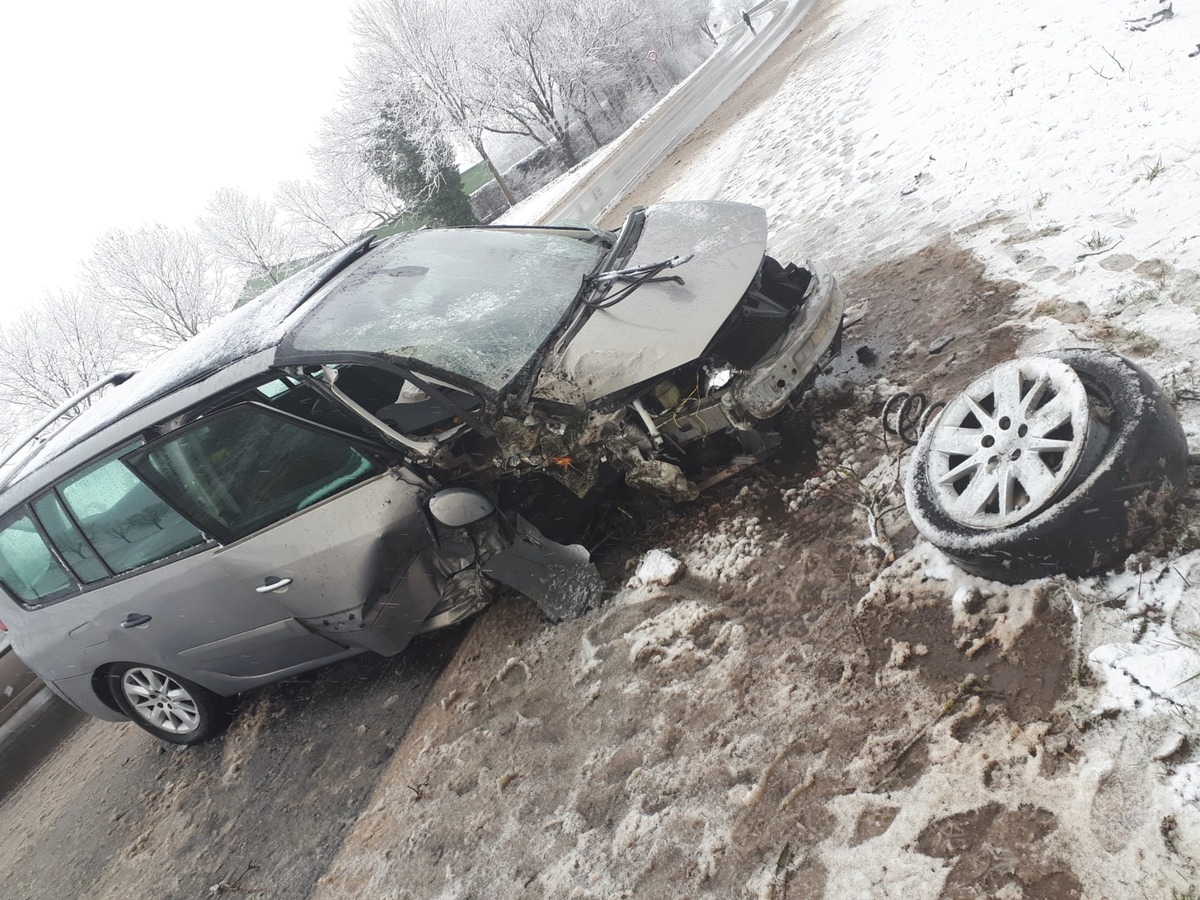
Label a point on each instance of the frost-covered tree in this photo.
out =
(250, 235)
(556, 53)
(161, 282)
(680, 30)
(425, 177)
(349, 188)
(433, 54)
(52, 351)
(319, 214)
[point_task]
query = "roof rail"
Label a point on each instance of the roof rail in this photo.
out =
(67, 405)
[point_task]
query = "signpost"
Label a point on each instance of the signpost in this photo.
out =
(653, 57)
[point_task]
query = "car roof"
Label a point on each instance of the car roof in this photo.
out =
(231, 350)
(112, 432)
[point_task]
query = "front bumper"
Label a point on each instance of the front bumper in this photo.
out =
(763, 392)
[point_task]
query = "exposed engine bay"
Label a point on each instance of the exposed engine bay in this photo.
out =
(677, 434)
(683, 341)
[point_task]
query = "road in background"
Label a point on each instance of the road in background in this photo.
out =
(615, 169)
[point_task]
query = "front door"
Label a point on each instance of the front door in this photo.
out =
(310, 521)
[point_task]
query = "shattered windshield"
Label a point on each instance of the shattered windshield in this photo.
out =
(477, 303)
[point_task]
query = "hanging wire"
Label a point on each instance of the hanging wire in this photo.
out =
(907, 415)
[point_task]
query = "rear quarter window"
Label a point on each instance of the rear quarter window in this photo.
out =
(28, 568)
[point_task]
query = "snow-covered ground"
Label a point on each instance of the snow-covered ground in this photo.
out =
(803, 715)
(1060, 144)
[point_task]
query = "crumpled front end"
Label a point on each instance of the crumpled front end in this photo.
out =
(682, 346)
(471, 546)
(667, 322)
(700, 422)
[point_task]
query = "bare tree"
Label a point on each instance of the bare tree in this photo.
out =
(52, 351)
(250, 235)
(155, 515)
(331, 213)
(526, 31)
(424, 51)
(556, 52)
(162, 282)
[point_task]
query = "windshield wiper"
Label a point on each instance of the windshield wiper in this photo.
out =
(635, 275)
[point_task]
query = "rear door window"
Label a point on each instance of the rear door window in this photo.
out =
(28, 568)
(241, 469)
(123, 519)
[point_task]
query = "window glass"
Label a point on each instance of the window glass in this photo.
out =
(127, 524)
(275, 388)
(244, 468)
(287, 395)
(66, 537)
(27, 567)
(473, 302)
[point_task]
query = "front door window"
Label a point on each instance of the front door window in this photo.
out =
(239, 470)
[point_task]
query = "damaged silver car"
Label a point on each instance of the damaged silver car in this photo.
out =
(359, 455)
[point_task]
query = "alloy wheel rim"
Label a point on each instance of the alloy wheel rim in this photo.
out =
(1004, 449)
(160, 700)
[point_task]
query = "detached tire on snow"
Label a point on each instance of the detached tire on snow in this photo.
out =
(1058, 463)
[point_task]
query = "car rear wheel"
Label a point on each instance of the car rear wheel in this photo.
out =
(1062, 462)
(168, 706)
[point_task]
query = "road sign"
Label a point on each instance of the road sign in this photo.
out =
(652, 56)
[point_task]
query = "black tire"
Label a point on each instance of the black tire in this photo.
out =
(1116, 498)
(168, 706)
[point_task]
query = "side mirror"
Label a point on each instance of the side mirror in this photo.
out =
(457, 507)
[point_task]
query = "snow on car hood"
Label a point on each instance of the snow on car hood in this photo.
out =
(663, 325)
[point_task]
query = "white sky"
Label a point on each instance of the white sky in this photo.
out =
(121, 114)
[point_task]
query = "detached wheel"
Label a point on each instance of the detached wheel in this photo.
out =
(1058, 463)
(171, 708)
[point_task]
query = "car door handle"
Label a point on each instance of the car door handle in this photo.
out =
(269, 587)
(133, 620)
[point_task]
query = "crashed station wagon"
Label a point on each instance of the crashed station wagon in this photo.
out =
(359, 455)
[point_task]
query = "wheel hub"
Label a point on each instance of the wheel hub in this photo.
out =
(160, 700)
(1004, 449)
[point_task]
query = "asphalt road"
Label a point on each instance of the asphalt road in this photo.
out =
(114, 813)
(29, 736)
(616, 168)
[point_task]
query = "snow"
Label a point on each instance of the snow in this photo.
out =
(1155, 671)
(659, 567)
(726, 553)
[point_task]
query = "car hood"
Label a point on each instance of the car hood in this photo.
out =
(662, 325)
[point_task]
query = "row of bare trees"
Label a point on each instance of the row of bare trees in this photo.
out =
(430, 75)
(142, 291)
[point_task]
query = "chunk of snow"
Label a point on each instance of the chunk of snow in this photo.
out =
(660, 567)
